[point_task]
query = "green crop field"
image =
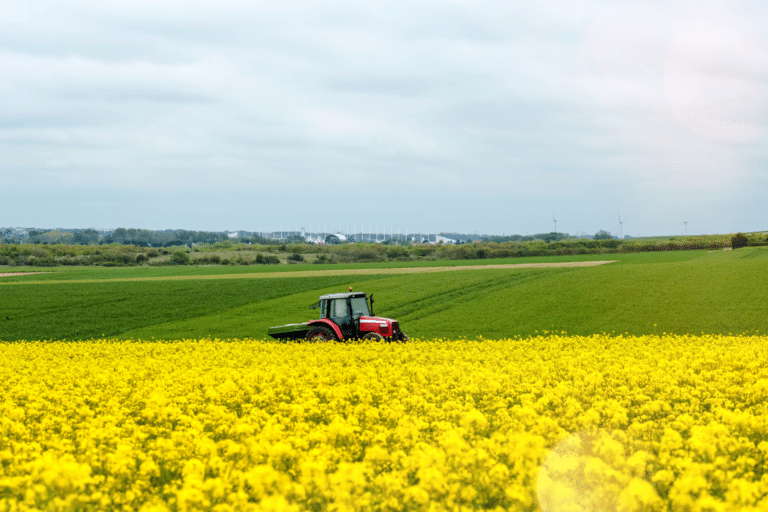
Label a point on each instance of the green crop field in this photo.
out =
(643, 293)
(83, 310)
(69, 273)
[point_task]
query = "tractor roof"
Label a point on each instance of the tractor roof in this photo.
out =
(342, 295)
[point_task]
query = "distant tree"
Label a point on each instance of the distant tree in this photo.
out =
(119, 235)
(603, 235)
(56, 237)
(739, 240)
(93, 236)
(80, 238)
(143, 237)
(180, 257)
(323, 258)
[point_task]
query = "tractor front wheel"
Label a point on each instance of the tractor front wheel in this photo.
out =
(373, 336)
(320, 335)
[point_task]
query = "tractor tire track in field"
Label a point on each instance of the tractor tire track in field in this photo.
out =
(323, 273)
(443, 300)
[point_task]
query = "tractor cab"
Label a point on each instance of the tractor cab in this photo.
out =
(345, 310)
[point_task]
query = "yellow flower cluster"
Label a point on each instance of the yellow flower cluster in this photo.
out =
(552, 423)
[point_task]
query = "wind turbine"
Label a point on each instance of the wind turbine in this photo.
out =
(686, 227)
(555, 221)
(621, 226)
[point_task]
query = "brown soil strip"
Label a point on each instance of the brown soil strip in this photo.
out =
(11, 274)
(340, 272)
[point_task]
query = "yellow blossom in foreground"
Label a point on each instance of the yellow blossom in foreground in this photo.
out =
(550, 423)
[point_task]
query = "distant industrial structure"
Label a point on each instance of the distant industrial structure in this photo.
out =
(336, 237)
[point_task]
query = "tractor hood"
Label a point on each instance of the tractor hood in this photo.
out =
(379, 324)
(375, 320)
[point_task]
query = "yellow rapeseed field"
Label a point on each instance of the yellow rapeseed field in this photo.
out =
(553, 423)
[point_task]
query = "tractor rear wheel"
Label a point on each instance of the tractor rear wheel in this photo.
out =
(373, 336)
(320, 335)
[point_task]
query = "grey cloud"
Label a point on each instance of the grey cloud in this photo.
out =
(459, 111)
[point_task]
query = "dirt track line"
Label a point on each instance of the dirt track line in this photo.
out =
(320, 273)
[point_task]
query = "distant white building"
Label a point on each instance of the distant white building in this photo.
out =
(446, 241)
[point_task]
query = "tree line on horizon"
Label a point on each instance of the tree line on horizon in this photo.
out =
(122, 236)
(169, 238)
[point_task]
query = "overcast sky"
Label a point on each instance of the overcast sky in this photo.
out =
(447, 115)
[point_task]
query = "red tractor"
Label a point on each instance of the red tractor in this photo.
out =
(343, 316)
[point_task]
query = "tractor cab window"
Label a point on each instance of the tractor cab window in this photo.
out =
(339, 308)
(360, 307)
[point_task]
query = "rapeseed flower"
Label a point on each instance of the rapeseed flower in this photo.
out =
(553, 422)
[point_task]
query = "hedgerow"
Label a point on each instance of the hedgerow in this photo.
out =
(243, 253)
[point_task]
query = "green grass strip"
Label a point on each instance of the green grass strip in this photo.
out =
(326, 273)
